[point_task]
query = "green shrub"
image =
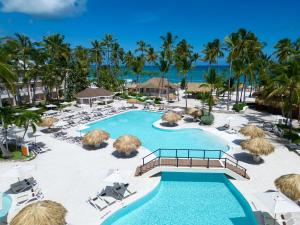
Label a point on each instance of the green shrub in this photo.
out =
(124, 96)
(207, 119)
(239, 107)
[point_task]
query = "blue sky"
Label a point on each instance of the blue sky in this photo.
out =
(199, 21)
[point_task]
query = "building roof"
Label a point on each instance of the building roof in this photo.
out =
(94, 92)
(198, 88)
(157, 82)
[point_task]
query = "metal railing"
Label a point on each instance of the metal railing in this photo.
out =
(194, 154)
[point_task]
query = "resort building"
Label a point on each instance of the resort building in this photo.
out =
(157, 86)
(94, 95)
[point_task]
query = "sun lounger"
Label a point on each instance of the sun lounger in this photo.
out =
(122, 190)
(29, 196)
(97, 203)
(23, 185)
(109, 199)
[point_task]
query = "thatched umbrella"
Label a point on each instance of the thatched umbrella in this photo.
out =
(41, 213)
(95, 137)
(194, 112)
(133, 101)
(289, 185)
(252, 131)
(172, 97)
(257, 147)
(48, 122)
(127, 144)
(171, 117)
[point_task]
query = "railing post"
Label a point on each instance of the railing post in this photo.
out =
(245, 174)
(220, 154)
(159, 153)
(176, 153)
(225, 162)
(176, 162)
(237, 162)
(207, 162)
(191, 162)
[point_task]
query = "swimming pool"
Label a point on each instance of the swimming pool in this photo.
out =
(6, 204)
(139, 123)
(188, 198)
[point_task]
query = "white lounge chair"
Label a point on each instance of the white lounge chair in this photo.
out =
(122, 190)
(29, 196)
(108, 198)
(97, 203)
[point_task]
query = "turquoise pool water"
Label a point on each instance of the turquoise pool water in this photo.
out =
(139, 123)
(188, 199)
(6, 204)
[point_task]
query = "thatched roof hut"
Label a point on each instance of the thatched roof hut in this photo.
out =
(193, 87)
(41, 213)
(127, 144)
(171, 117)
(95, 137)
(252, 131)
(257, 147)
(48, 122)
(289, 185)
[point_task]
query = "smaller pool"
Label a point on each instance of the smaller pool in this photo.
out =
(6, 204)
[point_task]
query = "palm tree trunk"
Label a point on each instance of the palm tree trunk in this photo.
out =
(291, 110)
(230, 74)
(237, 91)
(185, 90)
(245, 88)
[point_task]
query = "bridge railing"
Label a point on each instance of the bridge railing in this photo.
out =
(193, 154)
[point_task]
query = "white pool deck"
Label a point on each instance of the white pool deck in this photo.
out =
(70, 174)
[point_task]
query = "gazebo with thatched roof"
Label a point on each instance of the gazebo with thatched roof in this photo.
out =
(41, 213)
(171, 117)
(252, 131)
(95, 137)
(289, 185)
(127, 144)
(258, 147)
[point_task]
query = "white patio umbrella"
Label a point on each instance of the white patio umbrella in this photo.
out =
(278, 203)
(114, 176)
(33, 109)
(50, 106)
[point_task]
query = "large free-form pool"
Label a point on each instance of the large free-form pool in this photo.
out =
(188, 199)
(139, 123)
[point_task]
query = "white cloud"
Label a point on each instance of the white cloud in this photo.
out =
(47, 8)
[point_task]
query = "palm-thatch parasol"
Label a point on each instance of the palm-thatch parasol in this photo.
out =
(257, 147)
(194, 112)
(289, 185)
(133, 101)
(95, 137)
(48, 122)
(172, 97)
(171, 117)
(252, 131)
(127, 144)
(42, 213)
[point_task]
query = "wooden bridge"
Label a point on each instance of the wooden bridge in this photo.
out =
(191, 160)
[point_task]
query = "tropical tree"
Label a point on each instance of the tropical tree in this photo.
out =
(96, 56)
(212, 52)
(184, 59)
(142, 47)
(7, 118)
(28, 119)
(137, 66)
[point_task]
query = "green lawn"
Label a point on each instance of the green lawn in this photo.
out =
(16, 155)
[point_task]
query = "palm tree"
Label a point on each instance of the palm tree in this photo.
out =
(28, 119)
(137, 66)
(96, 56)
(151, 56)
(284, 50)
(212, 52)
(184, 59)
(6, 116)
(142, 47)
(164, 66)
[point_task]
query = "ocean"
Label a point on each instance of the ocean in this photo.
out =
(197, 74)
